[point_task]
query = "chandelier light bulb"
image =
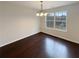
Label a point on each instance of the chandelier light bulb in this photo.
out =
(37, 14)
(41, 14)
(45, 14)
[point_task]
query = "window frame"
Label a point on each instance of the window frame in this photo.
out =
(54, 28)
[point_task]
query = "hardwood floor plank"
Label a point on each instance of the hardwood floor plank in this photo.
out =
(40, 45)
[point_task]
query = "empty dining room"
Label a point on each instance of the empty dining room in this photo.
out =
(39, 29)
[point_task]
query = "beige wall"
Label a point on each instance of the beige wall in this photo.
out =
(16, 22)
(72, 33)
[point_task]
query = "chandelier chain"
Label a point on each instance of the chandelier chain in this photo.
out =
(41, 5)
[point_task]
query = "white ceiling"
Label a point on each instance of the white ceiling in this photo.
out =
(46, 4)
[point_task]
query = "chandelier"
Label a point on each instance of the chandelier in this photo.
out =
(41, 13)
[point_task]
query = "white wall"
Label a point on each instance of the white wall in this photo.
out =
(16, 22)
(72, 33)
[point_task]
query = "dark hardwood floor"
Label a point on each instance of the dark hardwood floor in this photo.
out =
(40, 45)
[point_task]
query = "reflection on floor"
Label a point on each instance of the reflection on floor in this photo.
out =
(41, 45)
(52, 47)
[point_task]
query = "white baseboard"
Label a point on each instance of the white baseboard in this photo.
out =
(18, 39)
(64, 38)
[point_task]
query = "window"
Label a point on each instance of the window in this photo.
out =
(50, 20)
(57, 20)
